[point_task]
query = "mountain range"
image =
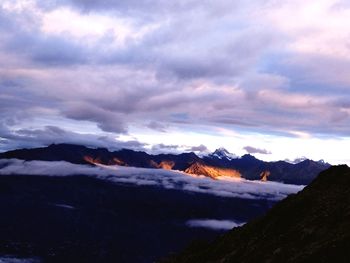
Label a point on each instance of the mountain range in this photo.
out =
(219, 163)
(310, 226)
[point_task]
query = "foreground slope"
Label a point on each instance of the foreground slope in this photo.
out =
(311, 226)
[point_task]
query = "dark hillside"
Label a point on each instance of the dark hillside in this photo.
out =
(311, 226)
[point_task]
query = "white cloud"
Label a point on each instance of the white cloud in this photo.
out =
(156, 177)
(92, 27)
(319, 27)
(213, 224)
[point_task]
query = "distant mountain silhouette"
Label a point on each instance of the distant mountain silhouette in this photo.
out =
(220, 161)
(311, 226)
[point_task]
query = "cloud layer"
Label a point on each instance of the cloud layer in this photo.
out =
(112, 67)
(251, 149)
(231, 188)
(213, 224)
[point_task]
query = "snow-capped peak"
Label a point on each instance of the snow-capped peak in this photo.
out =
(222, 153)
(322, 162)
(296, 160)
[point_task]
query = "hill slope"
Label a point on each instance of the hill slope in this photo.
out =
(311, 226)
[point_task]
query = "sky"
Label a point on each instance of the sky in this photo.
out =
(266, 77)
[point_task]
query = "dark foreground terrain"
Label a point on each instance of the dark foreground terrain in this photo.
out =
(311, 226)
(82, 219)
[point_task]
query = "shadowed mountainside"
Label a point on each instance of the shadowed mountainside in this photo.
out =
(311, 226)
(212, 165)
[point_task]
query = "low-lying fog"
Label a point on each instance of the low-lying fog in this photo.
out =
(225, 187)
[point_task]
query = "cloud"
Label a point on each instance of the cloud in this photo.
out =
(154, 177)
(162, 147)
(178, 149)
(199, 148)
(213, 224)
(108, 121)
(191, 65)
(296, 160)
(51, 134)
(251, 149)
(156, 126)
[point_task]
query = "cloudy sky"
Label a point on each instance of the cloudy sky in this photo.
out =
(267, 77)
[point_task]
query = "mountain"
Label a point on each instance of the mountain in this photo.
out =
(252, 168)
(311, 226)
(222, 153)
(211, 171)
(220, 162)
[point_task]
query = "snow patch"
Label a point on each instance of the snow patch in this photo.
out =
(222, 153)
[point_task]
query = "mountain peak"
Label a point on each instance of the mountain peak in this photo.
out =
(198, 168)
(297, 160)
(222, 153)
(221, 150)
(248, 157)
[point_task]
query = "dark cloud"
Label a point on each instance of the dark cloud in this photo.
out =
(142, 10)
(156, 126)
(107, 5)
(162, 147)
(51, 134)
(21, 35)
(200, 148)
(173, 148)
(251, 149)
(56, 51)
(106, 120)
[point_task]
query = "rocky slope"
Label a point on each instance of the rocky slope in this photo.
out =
(212, 172)
(311, 226)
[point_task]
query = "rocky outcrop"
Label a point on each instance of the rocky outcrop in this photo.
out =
(264, 175)
(211, 171)
(167, 165)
